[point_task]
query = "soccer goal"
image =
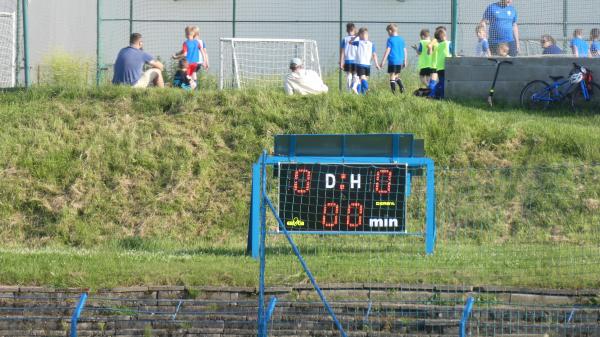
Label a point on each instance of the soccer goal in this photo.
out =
(263, 62)
(8, 49)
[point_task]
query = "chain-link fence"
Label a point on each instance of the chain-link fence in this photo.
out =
(531, 227)
(162, 23)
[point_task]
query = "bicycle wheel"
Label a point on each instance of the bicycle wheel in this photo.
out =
(579, 103)
(536, 95)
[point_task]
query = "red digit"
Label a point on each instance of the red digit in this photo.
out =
(359, 215)
(336, 214)
(378, 179)
(307, 176)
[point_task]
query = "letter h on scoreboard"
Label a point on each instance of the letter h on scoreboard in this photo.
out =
(345, 185)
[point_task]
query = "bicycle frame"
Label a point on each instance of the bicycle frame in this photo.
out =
(553, 92)
(586, 92)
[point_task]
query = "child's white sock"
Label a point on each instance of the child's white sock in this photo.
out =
(349, 81)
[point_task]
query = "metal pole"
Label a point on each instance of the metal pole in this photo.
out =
(262, 329)
(454, 27)
(341, 36)
(234, 17)
(565, 23)
(99, 42)
(18, 49)
(25, 5)
(77, 314)
(130, 17)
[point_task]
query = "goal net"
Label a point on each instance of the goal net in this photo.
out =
(8, 49)
(263, 62)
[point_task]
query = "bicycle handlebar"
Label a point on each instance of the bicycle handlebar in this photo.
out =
(499, 62)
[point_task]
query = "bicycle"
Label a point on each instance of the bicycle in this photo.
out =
(579, 88)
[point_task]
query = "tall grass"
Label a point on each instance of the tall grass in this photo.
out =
(118, 169)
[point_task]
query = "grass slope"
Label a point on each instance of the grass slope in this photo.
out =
(133, 186)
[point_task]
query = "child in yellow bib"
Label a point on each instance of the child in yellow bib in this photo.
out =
(424, 66)
(440, 50)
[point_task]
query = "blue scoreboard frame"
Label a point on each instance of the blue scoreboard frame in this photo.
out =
(372, 149)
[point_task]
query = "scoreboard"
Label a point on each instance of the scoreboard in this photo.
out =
(343, 197)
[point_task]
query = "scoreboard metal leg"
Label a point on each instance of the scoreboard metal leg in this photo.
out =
(430, 226)
(254, 228)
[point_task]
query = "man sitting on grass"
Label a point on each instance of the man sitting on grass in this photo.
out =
(303, 81)
(129, 66)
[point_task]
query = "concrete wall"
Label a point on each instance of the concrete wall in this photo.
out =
(471, 77)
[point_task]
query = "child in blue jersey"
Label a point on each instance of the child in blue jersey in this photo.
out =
(595, 46)
(365, 53)
(579, 47)
(348, 55)
(194, 50)
(395, 54)
(483, 47)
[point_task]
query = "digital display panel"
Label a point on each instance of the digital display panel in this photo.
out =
(343, 197)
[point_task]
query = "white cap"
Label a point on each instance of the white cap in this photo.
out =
(296, 62)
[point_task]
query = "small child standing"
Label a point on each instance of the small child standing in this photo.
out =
(503, 50)
(579, 47)
(395, 54)
(483, 47)
(194, 51)
(181, 78)
(424, 66)
(595, 46)
(348, 55)
(365, 54)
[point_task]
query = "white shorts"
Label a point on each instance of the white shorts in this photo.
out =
(147, 78)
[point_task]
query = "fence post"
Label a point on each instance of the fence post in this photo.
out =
(340, 39)
(565, 23)
(77, 313)
(18, 48)
(234, 17)
(130, 17)
(98, 42)
(270, 311)
(25, 8)
(454, 27)
(465, 316)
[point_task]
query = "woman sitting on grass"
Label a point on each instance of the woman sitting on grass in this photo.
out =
(549, 45)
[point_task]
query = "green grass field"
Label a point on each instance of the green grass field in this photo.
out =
(114, 187)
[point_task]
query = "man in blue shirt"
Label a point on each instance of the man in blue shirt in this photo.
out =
(129, 66)
(502, 19)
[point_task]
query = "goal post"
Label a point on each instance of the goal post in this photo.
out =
(247, 62)
(8, 49)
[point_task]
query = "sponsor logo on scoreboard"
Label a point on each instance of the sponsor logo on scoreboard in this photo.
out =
(383, 223)
(385, 203)
(295, 222)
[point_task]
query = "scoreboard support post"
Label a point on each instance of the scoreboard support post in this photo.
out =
(254, 223)
(430, 226)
